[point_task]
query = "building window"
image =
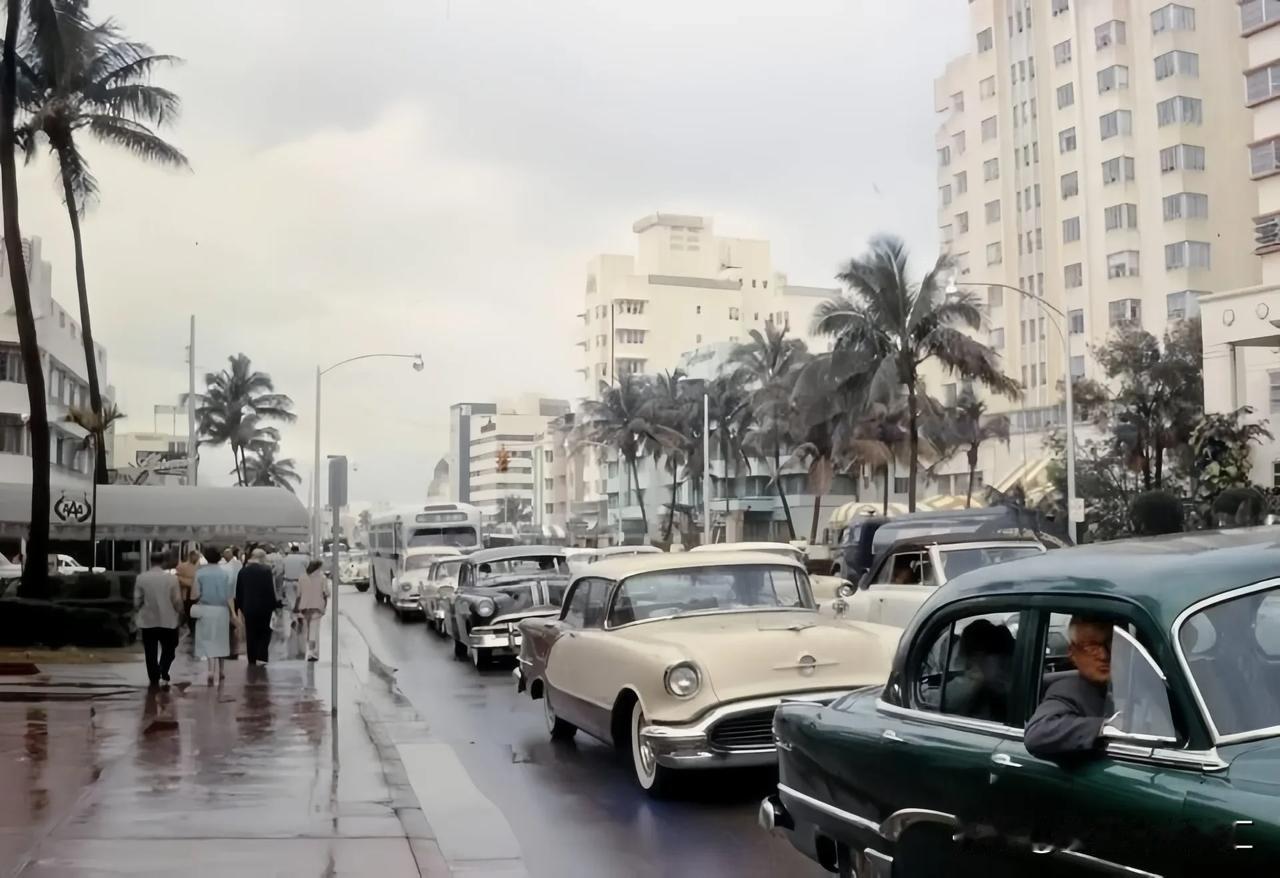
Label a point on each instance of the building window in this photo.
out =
(1066, 95)
(1110, 34)
(1071, 230)
(1075, 321)
(1062, 52)
(1113, 78)
(962, 184)
(1060, 6)
(1173, 17)
(1262, 84)
(957, 102)
(989, 129)
(11, 364)
(991, 169)
(1275, 392)
(962, 222)
(1117, 170)
(1187, 254)
(1070, 184)
(899, 484)
(1181, 158)
(1067, 140)
(1077, 367)
(1186, 205)
(1255, 13)
(697, 309)
(1120, 216)
(1073, 276)
(1116, 123)
(734, 314)
(1180, 111)
(1177, 62)
(993, 211)
(1183, 304)
(994, 254)
(1123, 311)
(1122, 264)
(996, 339)
(944, 194)
(986, 41)
(995, 297)
(1264, 158)
(987, 88)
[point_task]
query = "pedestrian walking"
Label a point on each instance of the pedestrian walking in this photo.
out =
(214, 599)
(313, 600)
(256, 600)
(231, 561)
(157, 600)
(186, 582)
(295, 567)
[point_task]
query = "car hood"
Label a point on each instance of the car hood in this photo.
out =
(752, 655)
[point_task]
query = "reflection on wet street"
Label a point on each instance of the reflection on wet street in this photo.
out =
(573, 807)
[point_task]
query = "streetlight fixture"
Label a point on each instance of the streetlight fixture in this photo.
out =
(706, 457)
(1075, 512)
(418, 366)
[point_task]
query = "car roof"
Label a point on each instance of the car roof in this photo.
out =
(432, 550)
(622, 567)
(1164, 574)
(506, 553)
(610, 551)
(908, 543)
(748, 547)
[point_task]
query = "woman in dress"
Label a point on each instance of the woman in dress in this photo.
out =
(215, 595)
(313, 598)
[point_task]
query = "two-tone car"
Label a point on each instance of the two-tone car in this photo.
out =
(497, 589)
(405, 595)
(1175, 773)
(679, 660)
(829, 592)
(435, 592)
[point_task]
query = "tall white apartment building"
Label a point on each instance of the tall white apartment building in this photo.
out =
(1091, 153)
(1242, 324)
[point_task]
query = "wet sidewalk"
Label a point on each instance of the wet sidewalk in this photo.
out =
(102, 777)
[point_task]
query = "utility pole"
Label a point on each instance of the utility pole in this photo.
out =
(191, 407)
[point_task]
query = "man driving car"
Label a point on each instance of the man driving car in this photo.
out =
(1071, 715)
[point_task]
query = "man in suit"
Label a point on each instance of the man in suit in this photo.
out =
(1070, 718)
(157, 600)
(256, 600)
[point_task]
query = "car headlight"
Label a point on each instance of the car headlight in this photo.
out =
(845, 591)
(406, 586)
(683, 680)
(484, 608)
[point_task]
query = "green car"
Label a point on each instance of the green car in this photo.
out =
(931, 774)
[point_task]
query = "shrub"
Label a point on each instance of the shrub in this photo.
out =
(26, 622)
(1156, 512)
(1239, 507)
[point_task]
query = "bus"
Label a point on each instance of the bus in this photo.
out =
(392, 534)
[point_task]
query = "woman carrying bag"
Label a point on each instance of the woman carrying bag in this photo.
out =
(213, 611)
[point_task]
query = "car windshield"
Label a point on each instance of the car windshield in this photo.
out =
(708, 590)
(527, 564)
(957, 561)
(421, 562)
(447, 569)
(1233, 651)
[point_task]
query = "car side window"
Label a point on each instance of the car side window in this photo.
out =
(906, 568)
(967, 670)
(575, 611)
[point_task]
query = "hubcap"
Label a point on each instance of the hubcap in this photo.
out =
(646, 762)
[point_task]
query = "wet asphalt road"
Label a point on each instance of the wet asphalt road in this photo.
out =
(573, 807)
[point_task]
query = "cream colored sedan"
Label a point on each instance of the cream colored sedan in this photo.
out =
(680, 660)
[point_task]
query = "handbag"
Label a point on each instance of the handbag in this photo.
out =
(199, 610)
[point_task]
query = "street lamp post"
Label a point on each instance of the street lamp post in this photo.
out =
(1059, 325)
(315, 469)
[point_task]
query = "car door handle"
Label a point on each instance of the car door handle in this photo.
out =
(1006, 760)
(891, 735)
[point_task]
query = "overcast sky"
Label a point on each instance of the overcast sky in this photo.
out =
(433, 175)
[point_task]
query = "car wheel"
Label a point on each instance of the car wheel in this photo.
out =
(559, 729)
(362, 587)
(657, 780)
(459, 649)
(481, 658)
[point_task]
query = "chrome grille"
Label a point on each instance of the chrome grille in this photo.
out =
(748, 731)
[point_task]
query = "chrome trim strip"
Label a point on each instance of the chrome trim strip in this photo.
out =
(830, 810)
(1218, 737)
(878, 865)
(900, 821)
(957, 722)
(1106, 867)
(703, 722)
(813, 610)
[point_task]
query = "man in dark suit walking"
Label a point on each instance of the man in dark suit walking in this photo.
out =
(256, 599)
(1071, 716)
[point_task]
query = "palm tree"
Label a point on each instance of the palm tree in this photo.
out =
(251, 437)
(267, 470)
(620, 420)
(673, 414)
(730, 417)
(233, 395)
(879, 438)
(972, 426)
(514, 510)
(769, 365)
(84, 77)
(36, 569)
(906, 324)
(95, 425)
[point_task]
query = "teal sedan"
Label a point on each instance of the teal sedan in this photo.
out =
(1179, 773)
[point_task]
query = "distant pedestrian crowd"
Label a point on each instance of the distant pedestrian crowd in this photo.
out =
(228, 604)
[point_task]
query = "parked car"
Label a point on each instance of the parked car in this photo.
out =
(355, 569)
(497, 588)
(63, 565)
(905, 574)
(579, 558)
(828, 591)
(856, 554)
(930, 774)
(439, 584)
(679, 660)
(403, 594)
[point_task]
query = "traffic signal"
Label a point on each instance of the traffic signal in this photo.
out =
(504, 460)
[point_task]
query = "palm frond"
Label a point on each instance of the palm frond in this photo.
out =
(137, 139)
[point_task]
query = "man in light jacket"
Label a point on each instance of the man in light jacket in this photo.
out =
(157, 600)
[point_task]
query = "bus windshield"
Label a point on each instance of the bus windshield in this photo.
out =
(461, 536)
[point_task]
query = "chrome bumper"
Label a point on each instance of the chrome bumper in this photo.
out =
(688, 745)
(407, 601)
(502, 639)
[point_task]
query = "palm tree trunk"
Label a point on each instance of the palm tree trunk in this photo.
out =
(93, 508)
(885, 508)
(36, 566)
(86, 331)
(813, 527)
(782, 495)
(235, 459)
(644, 516)
(671, 511)
(913, 416)
(1159, 462)
(973, 469)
